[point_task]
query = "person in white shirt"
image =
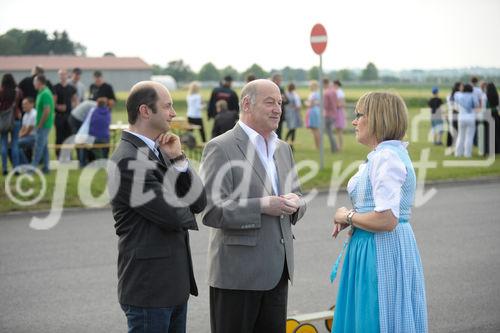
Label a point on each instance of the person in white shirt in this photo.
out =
(28, 130)
(194, 106)
(79, 86)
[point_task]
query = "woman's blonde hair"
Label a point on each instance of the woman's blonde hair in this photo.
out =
(386, 113)
(313, 85)
(194, 87)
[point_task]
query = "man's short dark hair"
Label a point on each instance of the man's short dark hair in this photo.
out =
(77, 70)
(474, 79)
(41, 78)
(144, 95)
(97, 74)
(29, 99)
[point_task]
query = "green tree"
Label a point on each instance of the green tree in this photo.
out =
(345, 75)
(313, 73)
(109, 54)
(229, 70)
(61, 44)
(370, 73)
(256, 70)
(16, 41)
(36, 42)
(208, 72)
(11, 42)
(179, 70)
(156, 69)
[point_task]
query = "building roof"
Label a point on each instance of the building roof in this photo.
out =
(21, 63)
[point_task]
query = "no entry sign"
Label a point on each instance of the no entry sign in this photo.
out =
(318, 38)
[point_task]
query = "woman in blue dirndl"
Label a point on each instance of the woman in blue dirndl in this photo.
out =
(382, 283)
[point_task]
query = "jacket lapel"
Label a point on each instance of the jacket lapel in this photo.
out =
(250, 154)
(142, 148)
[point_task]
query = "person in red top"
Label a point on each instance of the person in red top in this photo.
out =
(329, 112)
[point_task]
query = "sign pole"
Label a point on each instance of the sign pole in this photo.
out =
(319, 39)
(321, 119)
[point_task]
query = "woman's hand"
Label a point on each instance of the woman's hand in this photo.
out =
(340, 221)
(341, 215)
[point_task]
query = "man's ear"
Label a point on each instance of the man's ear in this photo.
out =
(245, 103)
(144, 111)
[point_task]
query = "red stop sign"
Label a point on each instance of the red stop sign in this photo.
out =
(318, 38)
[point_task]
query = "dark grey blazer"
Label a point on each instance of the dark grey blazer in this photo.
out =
(247, 249)
(154, 259)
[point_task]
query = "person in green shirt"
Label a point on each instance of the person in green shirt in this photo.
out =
(44, 122)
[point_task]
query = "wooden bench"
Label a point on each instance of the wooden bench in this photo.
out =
(80, 145)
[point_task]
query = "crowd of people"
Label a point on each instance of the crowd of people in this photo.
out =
(29, 110)
(471, 106)
(226, 115)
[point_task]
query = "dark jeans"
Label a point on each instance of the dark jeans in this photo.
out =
(26, 145)
(156, 320)
(41, 151)
(329, 125)
(198, 121)
(85, 156)
(63, 129)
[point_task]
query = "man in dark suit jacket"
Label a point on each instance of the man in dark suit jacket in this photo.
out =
(155, 194)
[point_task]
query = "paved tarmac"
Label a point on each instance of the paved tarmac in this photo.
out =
(64, 279)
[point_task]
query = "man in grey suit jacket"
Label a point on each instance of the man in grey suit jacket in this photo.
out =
(253, 200)
(155, 194)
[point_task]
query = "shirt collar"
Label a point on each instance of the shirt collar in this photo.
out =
(255, 137)
(150, 143)
(394, 143)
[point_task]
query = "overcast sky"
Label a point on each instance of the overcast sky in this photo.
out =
(394, 34)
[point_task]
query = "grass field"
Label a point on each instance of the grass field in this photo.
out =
(337, 167)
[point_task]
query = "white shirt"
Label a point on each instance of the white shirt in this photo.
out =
(29, 119)
(340, 93)
(265, 152)
(194, 106)
(387, 175)
(152, 145)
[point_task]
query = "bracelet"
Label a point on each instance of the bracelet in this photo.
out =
(349, 216)
(181, 157)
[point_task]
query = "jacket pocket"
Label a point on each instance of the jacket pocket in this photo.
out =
(240, 237)
(152, 252)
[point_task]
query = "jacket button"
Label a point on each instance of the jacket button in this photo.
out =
(282, 241)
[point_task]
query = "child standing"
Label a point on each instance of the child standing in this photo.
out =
(436, 116)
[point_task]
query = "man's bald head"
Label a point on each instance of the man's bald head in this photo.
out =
(251, 89)
(142, 93)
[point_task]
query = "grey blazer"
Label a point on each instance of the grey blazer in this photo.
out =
(247, 249)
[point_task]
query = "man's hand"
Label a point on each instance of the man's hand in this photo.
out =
(170, 144)
(277, 206)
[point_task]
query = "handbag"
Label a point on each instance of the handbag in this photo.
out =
(6, 119)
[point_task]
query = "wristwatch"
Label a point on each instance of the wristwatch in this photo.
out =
(349, 216)
(181, 157)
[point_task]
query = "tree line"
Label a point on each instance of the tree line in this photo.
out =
(39, 42)
(182, 72)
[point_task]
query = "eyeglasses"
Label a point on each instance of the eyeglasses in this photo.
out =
(358, 115)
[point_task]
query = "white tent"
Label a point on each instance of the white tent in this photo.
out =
(167, 80)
